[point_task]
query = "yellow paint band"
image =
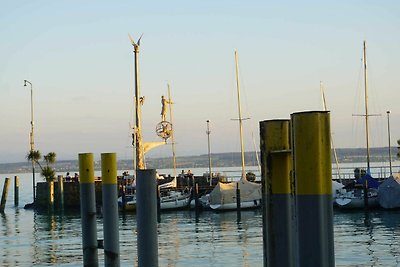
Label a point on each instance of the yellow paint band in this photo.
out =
(312, 153)
(275, 142)
(280, 170)
(109, 168)
(86, 168)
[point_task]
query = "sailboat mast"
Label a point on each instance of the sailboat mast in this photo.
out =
(240, 116)
(366, 105)
(325, 108)
(172, 132)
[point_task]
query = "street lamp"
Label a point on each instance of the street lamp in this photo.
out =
(209, 151)
(390, 153)
(32, 143)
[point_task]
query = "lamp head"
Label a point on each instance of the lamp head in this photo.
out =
(24, 82)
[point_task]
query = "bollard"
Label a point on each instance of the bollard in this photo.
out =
(279, 241)
(60, 185)
(158, 193)
(196, 197)
(146, 216)
(238, 208)
(312, 166)
(88, 209)
(365, 191)
(4, 195)
(16, 191)
(50, 196)
(110, 209)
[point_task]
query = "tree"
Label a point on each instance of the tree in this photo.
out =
(48, 171)
(398, 148)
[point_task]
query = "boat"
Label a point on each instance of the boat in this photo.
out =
(389, 192)
(224, 195)
(354, 196)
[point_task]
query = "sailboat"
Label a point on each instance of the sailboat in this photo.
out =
(171, 199)
(355, 197)
(224, 195)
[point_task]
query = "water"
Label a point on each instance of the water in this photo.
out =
(28, 238)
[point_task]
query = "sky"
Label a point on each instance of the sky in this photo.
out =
(80, 62)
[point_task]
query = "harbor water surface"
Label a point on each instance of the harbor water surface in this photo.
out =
(30, 238)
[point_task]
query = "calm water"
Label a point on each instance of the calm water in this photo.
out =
(28, 238)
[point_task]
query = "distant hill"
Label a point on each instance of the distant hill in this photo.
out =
(345, 155)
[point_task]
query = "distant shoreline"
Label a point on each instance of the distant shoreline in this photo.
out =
(232, 159)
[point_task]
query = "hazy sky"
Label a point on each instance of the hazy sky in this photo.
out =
(79, 59)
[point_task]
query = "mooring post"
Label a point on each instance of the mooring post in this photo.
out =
(365, 189)
(279, 240)
(60, 185)
(4, 195)
(158, 204)
(50, 196)
(196, 197)
(238, 197)
(313, 182)
(88, 209)
(16, 191)
(110, 209)
(146, 216)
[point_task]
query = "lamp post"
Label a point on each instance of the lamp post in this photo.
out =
(32, 142)
(390, 153)
(209, 151)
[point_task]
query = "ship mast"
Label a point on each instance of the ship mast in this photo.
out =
(366, 106)
(240, 117)
(172, 130)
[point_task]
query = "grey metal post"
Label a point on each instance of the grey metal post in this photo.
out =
(88, 209)
(110, 209)
(146, 216)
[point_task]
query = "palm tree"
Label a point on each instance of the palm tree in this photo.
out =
(48, 171)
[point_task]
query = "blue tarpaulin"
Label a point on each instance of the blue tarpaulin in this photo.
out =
(372, 183)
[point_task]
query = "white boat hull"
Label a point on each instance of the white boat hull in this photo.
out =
(350, 200)
(233, 206)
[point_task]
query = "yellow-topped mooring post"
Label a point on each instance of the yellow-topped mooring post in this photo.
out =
(312, 167)
(110, 209)
(16, 191)
(279, 241)
(88, 209)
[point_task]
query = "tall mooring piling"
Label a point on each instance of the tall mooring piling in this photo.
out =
(110, 209)
(312, 169)
(280, 243)
(88, 209)
(297, 190)
(146, 216)
(4, 194)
